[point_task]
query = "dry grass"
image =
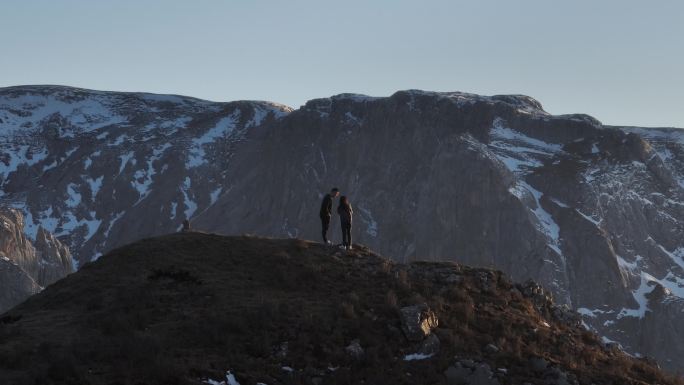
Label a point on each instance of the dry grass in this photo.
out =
(391, 299)
(174, 309)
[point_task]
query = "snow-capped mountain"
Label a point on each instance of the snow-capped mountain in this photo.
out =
(102, 168)
(595, 213)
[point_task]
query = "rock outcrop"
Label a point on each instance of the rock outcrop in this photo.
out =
(54, 258)
(27, 267)
(418, 321)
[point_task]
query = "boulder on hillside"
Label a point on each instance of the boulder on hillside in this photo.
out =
(478, 374)
(354, 349)
(430, 345)
(417, 321)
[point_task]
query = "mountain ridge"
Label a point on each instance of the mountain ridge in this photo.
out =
(58, 87)
(594, 213)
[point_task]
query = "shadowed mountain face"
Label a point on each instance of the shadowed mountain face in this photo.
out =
(594, 213)
(196, 308)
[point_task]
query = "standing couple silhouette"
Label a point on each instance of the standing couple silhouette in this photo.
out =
(344, 210)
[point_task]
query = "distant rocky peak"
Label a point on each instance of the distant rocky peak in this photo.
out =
(44, 263)
(52, 251)
(25, 269)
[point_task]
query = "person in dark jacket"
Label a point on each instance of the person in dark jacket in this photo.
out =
(326, 212)
(186, 226)
(346, 213)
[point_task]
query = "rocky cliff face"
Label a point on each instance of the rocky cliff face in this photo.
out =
(594, 213)
(24, 268)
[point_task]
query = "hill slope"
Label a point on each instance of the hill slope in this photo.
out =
(188, 308)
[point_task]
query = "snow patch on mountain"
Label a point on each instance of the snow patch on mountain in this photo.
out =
(629, 267)
(222, 129)
(50, 166)
(73, 196)
(174, 210)
(142, 178)
(351, 118)
(517, 151)
(230, 380)
(676, 256)
(260, 114)
(31, 225)
(521, 154)
(639, 295)
(125, 159)
(673, 285)
(527, 143)
(14, 156)
(594, 148)
(95, 185)
(214, 195)
(167, 126)
(89, 160)
(70, 223)
(664, 134)
(546, 223)
(190, 205)
(593, 313)
(596, 222)
(121, 139)
(20, 113)
(371, 224)
(113, 221)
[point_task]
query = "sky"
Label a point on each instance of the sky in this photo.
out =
(620, 61)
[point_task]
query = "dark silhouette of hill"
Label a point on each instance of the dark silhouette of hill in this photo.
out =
(188, 307)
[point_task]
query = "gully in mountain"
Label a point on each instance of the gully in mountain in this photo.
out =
(345, 212)
(326, 212)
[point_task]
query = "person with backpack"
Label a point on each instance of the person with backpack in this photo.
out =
(326, 212)
(345, 211)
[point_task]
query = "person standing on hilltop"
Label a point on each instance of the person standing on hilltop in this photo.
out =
(345, 211)
(186, 226)
(326, 212)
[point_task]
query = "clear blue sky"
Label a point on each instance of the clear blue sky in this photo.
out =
(618, 60)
